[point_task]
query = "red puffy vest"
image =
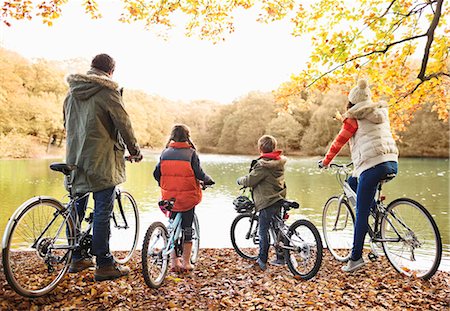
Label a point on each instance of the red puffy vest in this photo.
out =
(177, 177)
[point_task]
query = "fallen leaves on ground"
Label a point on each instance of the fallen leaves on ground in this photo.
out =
(224, 281)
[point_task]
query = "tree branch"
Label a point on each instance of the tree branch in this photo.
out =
(430, 35)
(427, 78)
(388, 46)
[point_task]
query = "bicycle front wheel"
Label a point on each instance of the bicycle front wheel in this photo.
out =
(195, 240)
(37, 246)
(338, 228)
(124, 227)
(154, 262)
(303, 249)
(412, 242)
(244, 236)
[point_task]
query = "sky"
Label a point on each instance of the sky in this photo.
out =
(255, 57)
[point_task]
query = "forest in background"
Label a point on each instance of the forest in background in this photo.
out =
(32, 93)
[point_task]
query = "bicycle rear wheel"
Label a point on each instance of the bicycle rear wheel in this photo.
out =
(37, 250)
(415, 246)
(154, 262)
(124, 227)
(244, 236)
(303, 250)
(195, 240)
(338, 228)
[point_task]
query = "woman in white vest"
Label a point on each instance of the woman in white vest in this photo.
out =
(374, 156)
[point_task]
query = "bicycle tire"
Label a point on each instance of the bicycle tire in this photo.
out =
(425, 251)
(195, 240)
(244, 236)
(337, 230)
(23, 251)
(154, 263)
(124, 227)
(308, 249)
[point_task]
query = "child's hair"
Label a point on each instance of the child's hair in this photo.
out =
(267, 143)
(180, 133)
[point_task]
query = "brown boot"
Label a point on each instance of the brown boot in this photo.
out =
(175, 263)
(110, 272)
(80, 265)
(187, 250)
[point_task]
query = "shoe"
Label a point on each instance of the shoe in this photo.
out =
(261, 265)
(81, 264)
(278, 262)
(353, 265)
(110, 272)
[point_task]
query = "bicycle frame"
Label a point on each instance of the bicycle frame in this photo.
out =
(174, 229)
(378, 213)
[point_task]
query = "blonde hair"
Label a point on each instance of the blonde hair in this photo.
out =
(180, 133)
(267, 143)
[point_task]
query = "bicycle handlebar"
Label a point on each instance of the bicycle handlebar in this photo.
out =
(341, 165)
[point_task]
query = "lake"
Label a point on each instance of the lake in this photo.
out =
(424, 180)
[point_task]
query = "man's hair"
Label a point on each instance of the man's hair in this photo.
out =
(103, 62)
(267, 143)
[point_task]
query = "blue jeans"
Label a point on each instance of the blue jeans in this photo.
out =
(365, 189)
(265, 218)
(103, 206)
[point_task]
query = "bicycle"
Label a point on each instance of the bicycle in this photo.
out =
(43, 232)
(408, 235)
(300, 242)
(160, 241)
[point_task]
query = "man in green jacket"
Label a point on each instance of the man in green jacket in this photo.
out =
(98, 130)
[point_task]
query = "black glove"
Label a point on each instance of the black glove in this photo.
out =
(320, 164)
(209, 182)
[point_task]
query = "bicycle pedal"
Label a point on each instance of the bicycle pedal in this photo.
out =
(373, 257)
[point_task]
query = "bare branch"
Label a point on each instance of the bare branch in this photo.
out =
(388, 46)
(430, 35)
(427, 78)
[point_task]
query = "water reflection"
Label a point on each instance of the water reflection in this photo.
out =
(425, 180)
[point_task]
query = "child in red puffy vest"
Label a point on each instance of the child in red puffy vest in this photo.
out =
(178, 173)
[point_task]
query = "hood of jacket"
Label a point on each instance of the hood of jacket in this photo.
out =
(374, 112)
(276, 167)
(84, 86)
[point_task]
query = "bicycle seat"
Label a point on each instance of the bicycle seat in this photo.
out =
(389, 177)
(290, 204)
(63, 168)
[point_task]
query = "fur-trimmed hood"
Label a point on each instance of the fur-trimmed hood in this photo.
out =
(273, 164)
(374, 112)
(84, 86)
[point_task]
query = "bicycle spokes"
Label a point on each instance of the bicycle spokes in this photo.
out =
(411, 239)
(39, 249)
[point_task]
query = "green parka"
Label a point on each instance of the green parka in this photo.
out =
(98, 130)
(266, 179)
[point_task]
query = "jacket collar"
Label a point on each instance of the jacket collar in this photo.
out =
(179, 145)
(93, 76)
(274, 155)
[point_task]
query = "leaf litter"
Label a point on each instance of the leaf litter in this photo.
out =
(224, 281)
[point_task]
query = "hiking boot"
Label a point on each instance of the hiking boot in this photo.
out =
(353, 265)
(81, 264)
(110, 272)
(278, 262)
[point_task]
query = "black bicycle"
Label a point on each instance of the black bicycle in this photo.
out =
(43, 232)
(300, 242)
